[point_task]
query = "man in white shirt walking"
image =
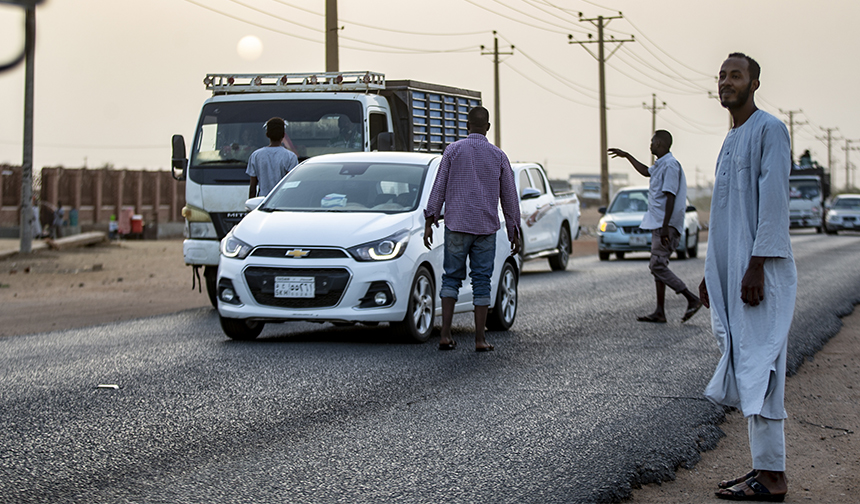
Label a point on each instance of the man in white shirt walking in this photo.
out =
(268, 165)
(667, 205)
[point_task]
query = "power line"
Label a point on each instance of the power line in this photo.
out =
(564, 97)
(515, 19)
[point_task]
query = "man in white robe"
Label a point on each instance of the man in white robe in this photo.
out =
(750, 279)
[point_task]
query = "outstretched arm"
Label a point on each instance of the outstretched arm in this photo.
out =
(641, 168)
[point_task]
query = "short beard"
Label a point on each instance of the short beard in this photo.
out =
(742, 98)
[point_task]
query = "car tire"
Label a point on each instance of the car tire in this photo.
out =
(417, 325)
(559, 261)
(817, 229)
(241, 329)
(504, 312)
(619, 255)
(693, 251)
(603, 256)
(210, 274)
(829, 231)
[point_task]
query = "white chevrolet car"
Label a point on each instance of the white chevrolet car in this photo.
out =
(340, 239)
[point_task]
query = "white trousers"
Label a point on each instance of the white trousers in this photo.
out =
(767, 443)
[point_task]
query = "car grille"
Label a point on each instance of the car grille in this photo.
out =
(329, 286)
(635, 230)
(312, 253)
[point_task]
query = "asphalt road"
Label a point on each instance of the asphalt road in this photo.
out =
(577, 403)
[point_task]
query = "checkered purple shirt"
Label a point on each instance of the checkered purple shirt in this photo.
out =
(473, 175)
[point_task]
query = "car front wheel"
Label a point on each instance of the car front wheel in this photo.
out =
(242, 330)
(693, 251)
(420, 310)
(505, 310)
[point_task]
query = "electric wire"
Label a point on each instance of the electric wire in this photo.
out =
(515, 19)
(665, 85)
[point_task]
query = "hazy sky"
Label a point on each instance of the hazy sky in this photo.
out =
(116, 78)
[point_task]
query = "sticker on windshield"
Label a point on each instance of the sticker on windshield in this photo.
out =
(290, 185)
(333, 200)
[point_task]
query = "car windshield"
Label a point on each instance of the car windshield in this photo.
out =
(349, 187)
(803, 189)
(630, 201)
(847, 204)
(230, 131)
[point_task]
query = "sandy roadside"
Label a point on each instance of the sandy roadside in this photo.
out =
(51, 290)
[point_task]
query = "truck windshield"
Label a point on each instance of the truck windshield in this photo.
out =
(230, 131)
(349, 187)
(803, 189)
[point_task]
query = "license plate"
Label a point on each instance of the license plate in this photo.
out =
(638, 241)
(294, 287)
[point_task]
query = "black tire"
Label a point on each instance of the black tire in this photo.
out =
(693, 251)
(504, 312)
(240, 329)
(619, 255)
(604, 256)
(420, 310)
(559, 261)
(818, 230)
(829, 231)
(210, 274)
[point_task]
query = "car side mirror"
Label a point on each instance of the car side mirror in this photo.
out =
(178, 161)
(385, 141)
(691, 208)
(602, 210)
(253, 203)
(530, 193)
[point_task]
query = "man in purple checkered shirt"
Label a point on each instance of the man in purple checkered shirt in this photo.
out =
(472, 177)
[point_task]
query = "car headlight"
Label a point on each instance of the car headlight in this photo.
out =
(234, 248)
(385, 249)
(608, 226)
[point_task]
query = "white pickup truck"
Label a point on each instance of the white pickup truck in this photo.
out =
(550, 221)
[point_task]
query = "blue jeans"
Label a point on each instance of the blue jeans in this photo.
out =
(481, 251)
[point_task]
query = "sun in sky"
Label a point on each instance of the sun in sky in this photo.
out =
(249, 48)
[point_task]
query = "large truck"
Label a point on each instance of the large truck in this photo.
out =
(809, 188)
(325, 113)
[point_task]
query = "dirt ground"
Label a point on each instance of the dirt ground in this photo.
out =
(50, 290)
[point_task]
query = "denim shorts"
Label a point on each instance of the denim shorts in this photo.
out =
(481, 251)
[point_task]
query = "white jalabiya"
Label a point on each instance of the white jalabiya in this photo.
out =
(749, 217)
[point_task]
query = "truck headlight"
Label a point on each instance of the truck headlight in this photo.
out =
(234, 248)
(204, 230)
(385, 249)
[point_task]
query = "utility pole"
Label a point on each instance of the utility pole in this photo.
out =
(653, 108)
(27, 157)
(497, 112)
(791, 125)
(848, 148)
(600, 22)
(829, 138)
(331, 48)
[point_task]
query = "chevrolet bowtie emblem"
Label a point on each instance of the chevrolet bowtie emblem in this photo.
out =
(297, 253)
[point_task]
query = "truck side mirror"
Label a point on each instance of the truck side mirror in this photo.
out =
(530, 193)
(179, 162)
(691, 208)
(602, 210)
(385, 141)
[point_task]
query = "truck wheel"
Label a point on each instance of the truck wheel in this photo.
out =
(241, 330)
(817, 229)
(210, 273)
(694, 250)
(504, 312)
(558, 262)
(420, 310)
(604, 256)
(619, 255)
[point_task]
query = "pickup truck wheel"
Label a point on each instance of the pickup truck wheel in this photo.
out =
(242, 330)
(504, 312)
(420, 310)
(604, 256)
(558, 262)
(693, 251)
(210, 273)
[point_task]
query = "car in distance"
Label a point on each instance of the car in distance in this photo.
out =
(340, 239)
(843, 213)
(618, 230)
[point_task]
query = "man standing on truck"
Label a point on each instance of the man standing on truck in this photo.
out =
(268, 165)
(750, 280)
(472, 177)
(667, 206)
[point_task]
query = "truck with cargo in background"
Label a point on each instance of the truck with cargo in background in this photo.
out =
(325, 113)
(809, 188)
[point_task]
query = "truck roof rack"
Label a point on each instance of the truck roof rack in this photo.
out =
(221, 84)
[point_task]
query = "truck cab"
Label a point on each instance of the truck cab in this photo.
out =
(325, 113)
